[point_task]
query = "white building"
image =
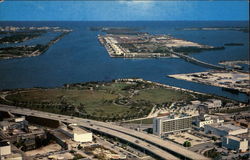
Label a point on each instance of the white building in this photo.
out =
(205, 119)
(202, 120)
(224, 129)
(168, 124)
(5, 148)
(77, 134)
(235, 143)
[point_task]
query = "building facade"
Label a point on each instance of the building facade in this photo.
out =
(77, 134)
(235, 143)
(169, 124)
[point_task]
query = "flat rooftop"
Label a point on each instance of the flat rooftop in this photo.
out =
(226, 127)
(235, 138)
(75, 130)
(174, 117)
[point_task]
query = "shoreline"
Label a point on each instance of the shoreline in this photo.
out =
(194, 79)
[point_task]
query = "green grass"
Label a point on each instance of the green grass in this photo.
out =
(102, 101)
(144, 121)
(161, 95)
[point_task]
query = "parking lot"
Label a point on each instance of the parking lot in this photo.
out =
(185, 136)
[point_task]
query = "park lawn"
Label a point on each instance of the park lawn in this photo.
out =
(144, 121)
(58, 95)
(116, 88)
(161, 95)
(93, 101)
(107, 110)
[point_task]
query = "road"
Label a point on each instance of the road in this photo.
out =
(196, 61)
(150, 143)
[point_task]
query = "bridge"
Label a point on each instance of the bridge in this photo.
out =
(196, 61)
(162, 149)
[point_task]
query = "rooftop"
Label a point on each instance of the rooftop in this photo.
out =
(235, 138)
(4, 143)
(75, 130)
(226, 127)
(172, 117)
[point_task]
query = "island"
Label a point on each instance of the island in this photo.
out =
(16, 35)
(149, 46)
(228, 80)
(235, 64)
(241, 29)
(234, 44)
(118, 100)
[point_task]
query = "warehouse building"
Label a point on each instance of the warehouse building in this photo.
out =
(235, 143)
(172, 123)
(224, 129)
(77, 134)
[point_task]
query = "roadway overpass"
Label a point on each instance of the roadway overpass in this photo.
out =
(150, 143)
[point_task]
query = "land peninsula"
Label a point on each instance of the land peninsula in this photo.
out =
(229, 80)
(16, 35)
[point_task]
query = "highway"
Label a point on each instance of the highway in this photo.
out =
(150, 143)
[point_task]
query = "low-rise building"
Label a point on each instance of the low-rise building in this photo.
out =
(77, 134)
(235, 143)
(224, 129)
(5, 148)
(202, 120)
(172, 123)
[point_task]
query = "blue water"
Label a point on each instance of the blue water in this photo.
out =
(79, 57)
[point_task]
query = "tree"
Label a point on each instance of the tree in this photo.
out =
(187, 144)
(214, 138)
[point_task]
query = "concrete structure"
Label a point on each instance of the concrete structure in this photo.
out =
(211, 105)
(172, 123)
(5, 148)
(77, 134)
(202, 120)
(235, 143)
(225, 129)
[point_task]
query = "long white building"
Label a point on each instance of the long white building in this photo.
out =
(168, 124)
(224, 129)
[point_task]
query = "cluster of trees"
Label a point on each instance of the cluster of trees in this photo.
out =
(21, 36)
(191, 49)
(212, 154)
(187, 144)
(21, 50)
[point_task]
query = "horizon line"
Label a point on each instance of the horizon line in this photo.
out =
(109, 20)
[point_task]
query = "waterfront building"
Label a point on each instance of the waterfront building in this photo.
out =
(172, 123)
(235, 143)
(224, 129)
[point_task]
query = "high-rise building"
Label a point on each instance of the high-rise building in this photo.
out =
(172, 123)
